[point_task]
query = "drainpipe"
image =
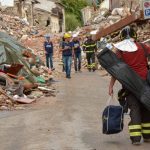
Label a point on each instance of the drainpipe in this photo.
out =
(19, 7)
(110, 5)
(32, 14)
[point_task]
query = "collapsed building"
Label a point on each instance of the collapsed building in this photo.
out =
(50, 16)
(21, 71)
(112, 16)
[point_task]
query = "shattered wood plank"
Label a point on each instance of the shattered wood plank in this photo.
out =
(117, 26)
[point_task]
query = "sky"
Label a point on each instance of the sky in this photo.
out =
(7, 2)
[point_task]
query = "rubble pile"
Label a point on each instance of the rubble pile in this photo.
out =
(143, 31)
(22, 74)
(14, 26)
(105, 19)
(35, 44)
(5, 103)
(103, 22)
(19, 28)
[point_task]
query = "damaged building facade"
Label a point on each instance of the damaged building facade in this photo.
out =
(88, 12)
(50, 16)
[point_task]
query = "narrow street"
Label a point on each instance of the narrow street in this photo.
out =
(71, 121)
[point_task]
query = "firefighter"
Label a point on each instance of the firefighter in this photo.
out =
(135, 57)
(89, 47)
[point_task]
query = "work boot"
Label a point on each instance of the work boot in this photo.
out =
(68, 76)
(94, 69)
(53, 69)
(89, 70)
(136, 140)
(136, 143)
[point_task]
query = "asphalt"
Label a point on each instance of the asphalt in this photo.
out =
(71, 121)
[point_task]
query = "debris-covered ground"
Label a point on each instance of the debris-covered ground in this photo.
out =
(23, 75)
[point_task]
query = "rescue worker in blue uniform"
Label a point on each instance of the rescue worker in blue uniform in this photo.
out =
(77, 54)
(48, 46)
(67, 47)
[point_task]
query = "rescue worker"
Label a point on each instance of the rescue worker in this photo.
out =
(48, 46)
(67, 54)
(60, 51)
(135, 57)
(89, 47)
(77, 53)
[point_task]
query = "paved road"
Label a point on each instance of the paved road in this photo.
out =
(72, 121)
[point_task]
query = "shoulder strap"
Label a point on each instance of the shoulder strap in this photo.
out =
(145, 49)
(146, 54)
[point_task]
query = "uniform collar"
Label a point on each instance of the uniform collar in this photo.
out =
(127, 45)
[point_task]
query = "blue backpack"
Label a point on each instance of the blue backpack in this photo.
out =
(112, 119)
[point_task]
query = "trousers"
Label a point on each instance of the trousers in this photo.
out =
(140, 119)
(49, 60)
(90, 60)
(67, 61)
(77, 62)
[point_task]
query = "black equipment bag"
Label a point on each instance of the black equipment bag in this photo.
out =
(148, 58)
(125, 75)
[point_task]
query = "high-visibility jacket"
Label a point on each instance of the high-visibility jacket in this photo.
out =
(89, 46)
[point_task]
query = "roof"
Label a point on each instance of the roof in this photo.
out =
(28, 1)
(45, 5)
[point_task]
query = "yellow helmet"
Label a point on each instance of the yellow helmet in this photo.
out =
(67, 35)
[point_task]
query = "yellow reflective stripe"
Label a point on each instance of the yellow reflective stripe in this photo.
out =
(146, 131)
(145, 124)
(123, 94)
(93, 65)
(89, 45)
(89, 66)
(93, 45)
(135, 134)
(89, 51)
(135, 127)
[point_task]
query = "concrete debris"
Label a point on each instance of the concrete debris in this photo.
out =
(23, 100)
(36, 94)
(14, 26)
(4, 108)
(22, 63)
(107, 22)
(104, 19)
(19, 108)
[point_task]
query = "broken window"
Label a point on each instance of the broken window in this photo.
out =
(48, 22)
